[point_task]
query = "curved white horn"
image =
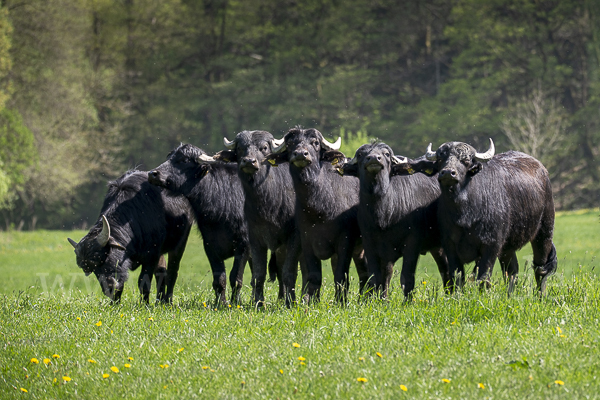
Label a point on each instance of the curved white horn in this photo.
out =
(229, 144)
(353, 161)
(277, 142)
(205, 158)
(104, 235)
(280, 149)
(73, 243)
(430, 155)
(399, 160)
(487, 156)
(332, 146)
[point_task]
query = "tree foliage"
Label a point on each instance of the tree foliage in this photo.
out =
(105, 85)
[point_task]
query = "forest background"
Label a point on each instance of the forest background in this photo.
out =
(92, 88)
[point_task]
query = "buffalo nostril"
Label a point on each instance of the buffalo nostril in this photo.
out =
(154, 173)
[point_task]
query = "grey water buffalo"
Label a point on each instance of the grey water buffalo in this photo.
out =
(491, 206)
(217, 199)
(397, 216)
(138, 223)
(326, 209)
(269, 209)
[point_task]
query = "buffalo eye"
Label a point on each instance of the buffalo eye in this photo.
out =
(315, 143)
(264, 148)
(386, 154)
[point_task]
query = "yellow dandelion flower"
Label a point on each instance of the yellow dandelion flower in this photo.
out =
(105, 376)
(23, 390)
(361, 359)
(164, 387)
(453, 322)
(301, 358)
(26, 376)
(166, 365)
(35, 360)
(239, 306)
(111, 331)
(186, 320)
(363, 380)
(212, 370)
(114, 369)
(91, 361)
(150, 319)
(180, 350)
(424, 282)
(281, 371)
(55, 356)
(243, 383)
(481, 386)
(204, 367)
(99, 323)
(204, 304)
(562, 336)
(66, 379)
(130, 358)
(558, 329)
(403, 388)
(54, 380)
(121, 315)
(559, 383)
(229, 305)
(446, 380)
(295, 344)
(302, 363)
(127, 365)
(78, 318)
(161, 365)
(379, 355)
(46, 361)
(530, 377)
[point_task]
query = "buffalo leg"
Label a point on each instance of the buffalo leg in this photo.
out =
(290, 270)
(160, 275)
(236, 275)
(544, 264)
(281, 254)
(442, 263)
(314, 279)
(219, 275)
(485, 266)
(341, 276)
(456, 269)
(361, 264)
(510, 269)
(259, 274)
(145, 280)
(409, 267)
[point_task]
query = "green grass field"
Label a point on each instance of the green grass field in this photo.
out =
(470, 345)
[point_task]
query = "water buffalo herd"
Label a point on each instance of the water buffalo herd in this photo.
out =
(304, 201)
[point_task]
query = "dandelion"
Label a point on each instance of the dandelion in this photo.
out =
(55, 356)
(301, 358)
(127, 365)
(204, 304)
(446, 380)
(99, 323)
(205, 367)
(212, 370)
(78, 318)
(281, 371)
(180, 350)
(361, 359)
(23, 390)
(91, 361)
(481, 386)
(186, 320)
(150, 319)
(229, 305)
(66, 379)
(295, 344)
(362, 380)
(130, 358)
(558, 329)
(54, 380)
(35, 360)
(424, 282)
(161, 365)
(111, 331)
(105, 376)
(379, 355)
(114, 369)
(46, 361)
(302, 363)
(243, 383)
(164, 387)
(403, 388)
(239, 306)
(559, 383)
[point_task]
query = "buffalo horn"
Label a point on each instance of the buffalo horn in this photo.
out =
(228, 144)
(487, 156)
(277, 142)
(353, 161)
(204, 158)
(332, 146)
(73, 243)
(104, 235)
(430, 155)
(280, 148)
(398, 160)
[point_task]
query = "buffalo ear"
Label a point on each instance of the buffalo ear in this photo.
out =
(226, 156)
(348, 169)
(278, 158)
(475, 168)
(421, 165)
(335, 157)
(113, 243)
(203, 170)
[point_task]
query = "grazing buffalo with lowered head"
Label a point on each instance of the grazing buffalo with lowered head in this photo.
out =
(215, 194)
(397, 216)
(490, 207)
(269, 209)
(138, 223)
(326, 208)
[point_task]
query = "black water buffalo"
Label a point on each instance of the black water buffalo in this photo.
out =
(326, 209)
(269, 210)
(490, 207)
(397, 216)
(138, 223)
(216, 196)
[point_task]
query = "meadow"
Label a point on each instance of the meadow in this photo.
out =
(63, 339)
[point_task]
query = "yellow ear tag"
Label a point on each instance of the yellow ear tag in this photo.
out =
(428, 171)
(340, 171)
(410, 171)
(335, 161)
(271, 161)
